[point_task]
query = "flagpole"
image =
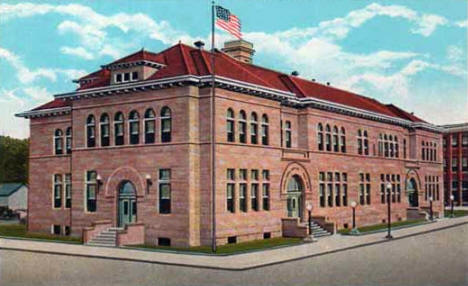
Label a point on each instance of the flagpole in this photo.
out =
(212, 127)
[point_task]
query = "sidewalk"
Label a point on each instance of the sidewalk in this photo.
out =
(235, 262)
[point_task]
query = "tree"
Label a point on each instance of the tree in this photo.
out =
(14, 155)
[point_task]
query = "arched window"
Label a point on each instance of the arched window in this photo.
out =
(166, 124)
(390, 143)
(68, 140)
(386, 147)
(230, 125)
(253, 128)
(104, 129)
(396, 145)
(328, 137)
(343, 140)
(134, 127)
(119, 128)
(242, 127)
(150, 126)
(335, 139)
(320, 136)
(366, 143)
(288, 134)
(265, 129)
(58, 142)
(360, 141)
(91, 131)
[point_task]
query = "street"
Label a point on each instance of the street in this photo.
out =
(435, 258)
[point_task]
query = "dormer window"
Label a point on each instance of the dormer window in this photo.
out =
(126, 77)
(118, 77)
(134, 75)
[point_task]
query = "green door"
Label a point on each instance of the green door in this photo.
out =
(294, 200)
(127, 204)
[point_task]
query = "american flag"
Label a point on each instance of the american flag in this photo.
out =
(228, 21)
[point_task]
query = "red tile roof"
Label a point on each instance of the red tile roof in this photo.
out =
(56, 103)
(181, 59)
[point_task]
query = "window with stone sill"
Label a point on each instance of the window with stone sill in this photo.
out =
(254, 196)
(242, 127)
(265, 135)
(119, 128)
(242, 197)
(230, 197)
(266, 196)
(58, 142)
(288, 134)
(253, 128)
(91, 191)
(230, 128)
(104, 124)
(134, 127)
(166, 124)
(91, 131)
(58, 187)
(68, 188)
(165, 191)
(68, 140)
(150, 126)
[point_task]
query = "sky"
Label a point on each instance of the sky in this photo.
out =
(409, 53)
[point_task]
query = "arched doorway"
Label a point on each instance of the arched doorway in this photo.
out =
(127, 204)
(412, 190)
(295, 189)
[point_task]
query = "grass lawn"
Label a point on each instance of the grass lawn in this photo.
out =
(381, 226)
(19, 230)
(456, 213)
(232, 248)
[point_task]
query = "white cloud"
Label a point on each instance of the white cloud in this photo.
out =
(26, 75)
(38, 93)
(428, 23)
(462, 24)
(11, 103)
(454, 53)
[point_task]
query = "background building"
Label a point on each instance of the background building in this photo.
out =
(131, 148)
(456, 162)
(14, 197)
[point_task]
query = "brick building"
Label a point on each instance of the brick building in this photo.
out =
(131, 147)
(455, 143)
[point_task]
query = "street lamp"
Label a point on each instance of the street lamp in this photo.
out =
(148, 182)
(354, 230)
(452, 197)
(431, 214)
(389, 219)
(310, 237)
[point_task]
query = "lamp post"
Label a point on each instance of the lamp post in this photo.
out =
(452, 197)
(310, 237)
(354, 230)
(389, 219)
(98, 182)
(148, 182)
(431, 214)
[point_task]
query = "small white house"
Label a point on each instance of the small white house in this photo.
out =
(14, 196)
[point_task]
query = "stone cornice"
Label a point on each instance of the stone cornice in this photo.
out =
(286, 98)
(45, 112)
(451, 128)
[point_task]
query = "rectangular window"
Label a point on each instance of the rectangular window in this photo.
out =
(243, 174)
(58, 191)
(266, 197)
(230, 197)
(242, 197)
(254, 175)
(254, 196)
(464, 164)
(337, 194)
(382, 192)
(322, 194)
(68, 186)
(345, 192)
(165, 191)
(91, 190)
(118, 77)
(266, 175)
(330, 194)
(231, 174)
(465, 139)
(56, 229)
(230, 130)
(126, 77)
(454, 140)
(454, 164)
(135, 75)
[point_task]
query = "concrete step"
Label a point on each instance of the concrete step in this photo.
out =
(100, 244)
(108, 234)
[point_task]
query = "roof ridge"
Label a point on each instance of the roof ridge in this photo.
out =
(184, 59)
(292, 79)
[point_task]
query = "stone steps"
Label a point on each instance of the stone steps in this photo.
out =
(106, 238)
(317, 230)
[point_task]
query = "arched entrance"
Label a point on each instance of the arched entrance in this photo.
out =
(295, 190)
(412, 190)
(127, 204)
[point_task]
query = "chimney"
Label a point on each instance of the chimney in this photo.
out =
(328, 83)
(295, 73)
(199, 44)
(241, 50)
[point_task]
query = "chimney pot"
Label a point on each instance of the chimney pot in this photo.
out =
(328, 83)
(295, 73)
(199, 44)
(313, 79)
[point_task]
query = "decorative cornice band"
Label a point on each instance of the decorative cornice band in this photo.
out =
(45, 112)
(286, 98)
